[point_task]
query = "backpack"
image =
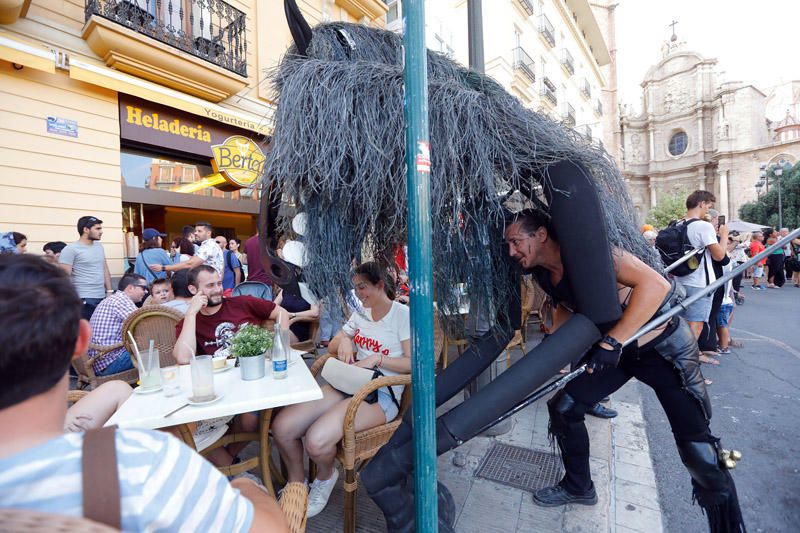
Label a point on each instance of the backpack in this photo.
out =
(673, 243)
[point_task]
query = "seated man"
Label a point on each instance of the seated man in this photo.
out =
(208, 326)
(160, 479)
(107, 321)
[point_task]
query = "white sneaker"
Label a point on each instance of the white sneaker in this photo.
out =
(318, 494)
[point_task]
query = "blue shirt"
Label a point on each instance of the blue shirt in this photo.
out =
(151, 256)
(164, 485)
(228, 278)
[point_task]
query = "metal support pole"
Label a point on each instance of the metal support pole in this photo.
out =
(780, 202)
(418, 168)
(475, 35)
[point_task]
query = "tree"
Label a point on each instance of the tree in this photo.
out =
(765, 209)
(668, 208)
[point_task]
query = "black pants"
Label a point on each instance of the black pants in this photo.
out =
(89, 305)
(685, 412)
(775, 265)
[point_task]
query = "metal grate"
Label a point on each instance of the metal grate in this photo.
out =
(521, 468)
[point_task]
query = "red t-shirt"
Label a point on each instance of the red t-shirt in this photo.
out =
(756, 247)
(255, 272)
(215, 331)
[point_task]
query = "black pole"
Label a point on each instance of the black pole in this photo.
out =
(475, 35)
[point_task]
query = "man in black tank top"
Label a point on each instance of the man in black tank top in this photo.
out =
(653, 361)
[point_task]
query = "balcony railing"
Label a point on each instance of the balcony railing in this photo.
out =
(598, 107)
(547, 30)
(526, 6)
(524, 63)
(548, 91)
(567, 62)
(586, 89)
(568, 115)
(209, 29)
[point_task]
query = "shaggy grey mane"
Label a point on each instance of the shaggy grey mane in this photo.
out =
(339, 150)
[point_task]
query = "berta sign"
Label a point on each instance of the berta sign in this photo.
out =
(239, 160)
(171, 132)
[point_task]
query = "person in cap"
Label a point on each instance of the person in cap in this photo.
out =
(152, 253)
(85, 262)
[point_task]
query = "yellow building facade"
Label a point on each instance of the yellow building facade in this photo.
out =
(117, 108)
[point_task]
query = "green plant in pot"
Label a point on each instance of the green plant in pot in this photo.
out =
(249, 345)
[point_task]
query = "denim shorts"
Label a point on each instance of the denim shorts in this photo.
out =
(724, 315)
(388, 406)
(700, 310)
(758, 271)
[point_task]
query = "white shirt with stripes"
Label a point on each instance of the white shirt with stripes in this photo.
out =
(164, 485)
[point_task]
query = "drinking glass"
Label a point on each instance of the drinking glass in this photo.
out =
(169, 380)
(150, 374)
(202, 378)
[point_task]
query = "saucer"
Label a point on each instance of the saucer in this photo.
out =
(141, 390)
(191, 401)
(230, 363)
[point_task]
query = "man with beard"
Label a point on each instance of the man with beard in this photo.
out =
(85, 262)
(211, 320)
(666, 359)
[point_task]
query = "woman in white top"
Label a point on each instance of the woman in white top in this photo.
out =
(380, 337)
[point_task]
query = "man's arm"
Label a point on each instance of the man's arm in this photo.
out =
(237, 276)
(648, 292)
(280, 315)
(267, 514)
(107, 277)
(66, 268)
(717, 249)
(187, 341)
(191, 263)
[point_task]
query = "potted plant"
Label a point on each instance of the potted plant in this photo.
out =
(249, 345)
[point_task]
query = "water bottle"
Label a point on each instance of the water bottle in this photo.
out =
(280, 348)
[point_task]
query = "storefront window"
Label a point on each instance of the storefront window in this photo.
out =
(145, 171)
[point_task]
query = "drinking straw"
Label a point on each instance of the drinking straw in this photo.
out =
(150, 351)
(136, 351)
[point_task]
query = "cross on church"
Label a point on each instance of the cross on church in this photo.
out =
(674, 23)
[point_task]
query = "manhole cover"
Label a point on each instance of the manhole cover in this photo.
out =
(521, 468)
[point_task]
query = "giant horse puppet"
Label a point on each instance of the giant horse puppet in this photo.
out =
(339, 150)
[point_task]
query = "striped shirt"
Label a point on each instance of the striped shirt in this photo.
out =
(106, 323)
(164, 485)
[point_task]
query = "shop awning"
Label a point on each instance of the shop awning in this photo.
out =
(27, 55)
(125, 83)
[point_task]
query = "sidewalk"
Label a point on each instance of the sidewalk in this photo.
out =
(621, 468)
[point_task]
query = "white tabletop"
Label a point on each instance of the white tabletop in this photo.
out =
(146, 411)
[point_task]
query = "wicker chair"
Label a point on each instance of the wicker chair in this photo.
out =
(74, 395)
(262, 460)
(154, 322)
(23, 520)
(358, 447)
(85, 371)
(294, 503)
(310, 345)
(533, 298)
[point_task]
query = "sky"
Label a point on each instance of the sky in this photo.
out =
(755, 42)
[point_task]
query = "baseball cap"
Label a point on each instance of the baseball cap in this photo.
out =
(87, 222)
(151, 233)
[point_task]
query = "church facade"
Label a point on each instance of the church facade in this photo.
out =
(694, 132)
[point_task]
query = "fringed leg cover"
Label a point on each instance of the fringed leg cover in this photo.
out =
(714, 489)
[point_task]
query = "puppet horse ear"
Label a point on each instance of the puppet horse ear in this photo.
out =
(301, 31)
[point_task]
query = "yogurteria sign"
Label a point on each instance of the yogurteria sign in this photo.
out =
(233, 152)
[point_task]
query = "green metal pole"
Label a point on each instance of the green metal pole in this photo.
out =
(418, 169)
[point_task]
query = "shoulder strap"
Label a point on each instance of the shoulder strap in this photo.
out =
(228, 261)
(101, 495)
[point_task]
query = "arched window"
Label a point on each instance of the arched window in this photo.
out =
(678, 143)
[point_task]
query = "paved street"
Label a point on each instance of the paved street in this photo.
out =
(755, 398)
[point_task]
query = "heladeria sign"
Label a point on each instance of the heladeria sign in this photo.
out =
(234, 153)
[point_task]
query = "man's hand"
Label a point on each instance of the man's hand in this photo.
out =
(603, 356)
(345, 351)
(369, 362)
(198, 302)
(723, 233)
(158, 267)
